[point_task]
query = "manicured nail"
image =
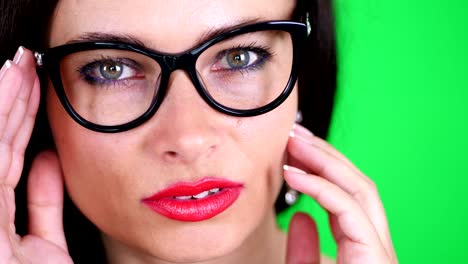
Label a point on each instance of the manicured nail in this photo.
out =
(293, 169)
(292, 134)
(302, 130)
(18, 55)
(300, 135)
(5, 67)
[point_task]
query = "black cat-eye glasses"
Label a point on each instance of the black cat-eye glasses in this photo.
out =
(115, 86)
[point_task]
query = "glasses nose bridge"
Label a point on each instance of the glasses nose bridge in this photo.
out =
(178, 62)
(184, 62)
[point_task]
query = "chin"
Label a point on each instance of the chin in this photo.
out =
(201, 251)
(183, 242)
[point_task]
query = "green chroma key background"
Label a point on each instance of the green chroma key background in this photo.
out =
(401, 116)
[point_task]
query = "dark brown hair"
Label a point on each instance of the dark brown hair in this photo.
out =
(26, 22)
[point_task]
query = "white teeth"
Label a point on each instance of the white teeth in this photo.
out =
(214, 190)
(201, 195)
(183, 197)
(198, 196)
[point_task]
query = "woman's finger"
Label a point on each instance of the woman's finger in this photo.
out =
(300, 131)
(10, 85)
(26, 128)
(23, 114)
(361, 188)
(18, 104)
(303, 241)
(19, 99)
(45, 199)
(21, 104)
(7, 213)
(354, 223)
(370, 201)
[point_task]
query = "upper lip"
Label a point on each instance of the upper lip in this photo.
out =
(193, 188)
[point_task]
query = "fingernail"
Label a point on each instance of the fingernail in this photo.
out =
(18, 55)
(293, 169)
(300, 136)
(302, 130)
(5, 67)
(292, 134)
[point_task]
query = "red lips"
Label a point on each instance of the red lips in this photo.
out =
(196, 201)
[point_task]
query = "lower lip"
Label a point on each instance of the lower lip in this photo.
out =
(194, 210)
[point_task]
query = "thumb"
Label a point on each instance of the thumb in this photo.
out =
(303, 241)
(45, 199)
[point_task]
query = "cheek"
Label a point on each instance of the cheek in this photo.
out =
(265, 138)
(87, 159)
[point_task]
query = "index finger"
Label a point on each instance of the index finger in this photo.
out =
(19, 100)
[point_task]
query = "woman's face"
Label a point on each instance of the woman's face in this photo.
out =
(186, 141)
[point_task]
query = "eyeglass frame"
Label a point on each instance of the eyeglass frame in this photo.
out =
(50, 61)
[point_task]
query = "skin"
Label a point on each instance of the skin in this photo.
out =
(185, 141)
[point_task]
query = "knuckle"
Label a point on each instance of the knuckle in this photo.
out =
(366, 193)
(372, 187)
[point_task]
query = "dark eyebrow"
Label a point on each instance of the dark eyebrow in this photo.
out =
(215, 31)
(209, 34)
(100, 36)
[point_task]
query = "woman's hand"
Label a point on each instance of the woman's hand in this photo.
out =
(19, 100)
(357, 218)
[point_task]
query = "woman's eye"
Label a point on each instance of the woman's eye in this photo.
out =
(240, 59)
(113, 70)
(109, 71)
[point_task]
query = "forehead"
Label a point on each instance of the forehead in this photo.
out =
(171, 26)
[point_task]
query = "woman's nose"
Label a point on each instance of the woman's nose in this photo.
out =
(185, 127)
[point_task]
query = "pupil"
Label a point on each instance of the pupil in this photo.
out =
(111, 70)
(238, 59)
